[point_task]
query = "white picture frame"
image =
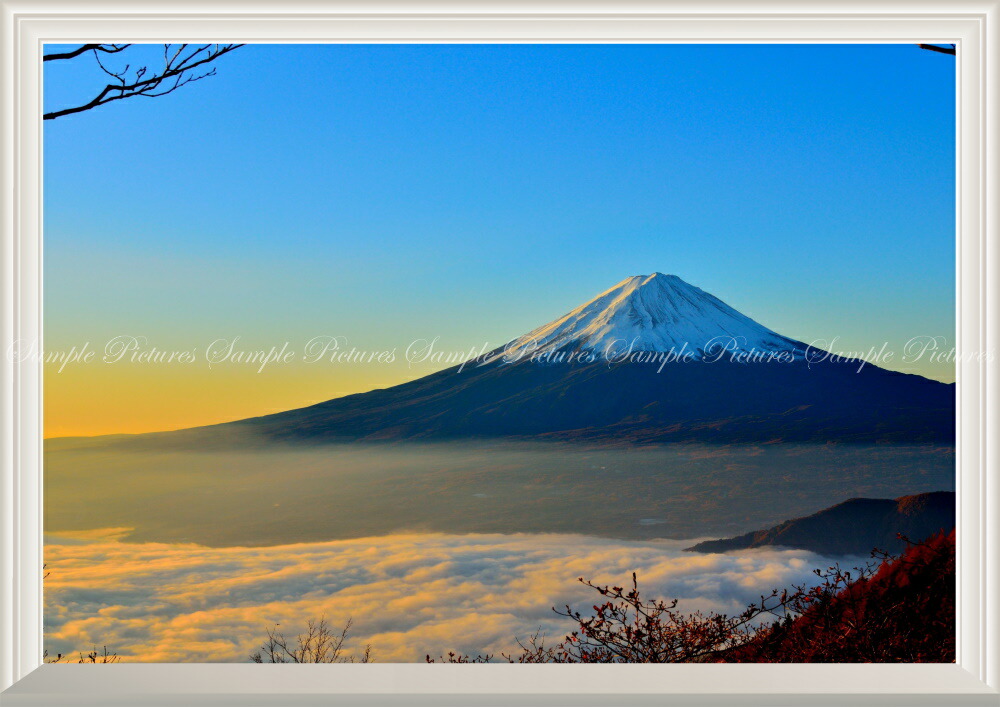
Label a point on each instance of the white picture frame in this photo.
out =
(973, 25)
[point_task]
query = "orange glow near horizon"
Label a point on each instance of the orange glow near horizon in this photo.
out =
(136, 399)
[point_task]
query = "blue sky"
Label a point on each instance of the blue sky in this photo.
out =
(474, 192)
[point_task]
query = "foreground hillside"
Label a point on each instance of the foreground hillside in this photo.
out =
(905, 613)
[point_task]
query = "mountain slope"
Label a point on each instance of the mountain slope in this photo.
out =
(558, 382)
(853, 527)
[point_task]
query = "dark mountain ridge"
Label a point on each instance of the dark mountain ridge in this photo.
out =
(854, 527)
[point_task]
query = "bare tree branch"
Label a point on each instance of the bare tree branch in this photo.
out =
(948, 49)
(106, 48)
(319, 644)
(178, 70)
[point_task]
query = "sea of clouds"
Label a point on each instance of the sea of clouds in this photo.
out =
(408, 595)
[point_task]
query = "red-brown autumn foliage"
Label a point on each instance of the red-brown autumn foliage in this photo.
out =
(904, 613)
(901, 610)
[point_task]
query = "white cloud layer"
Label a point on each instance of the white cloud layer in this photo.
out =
(409, 595)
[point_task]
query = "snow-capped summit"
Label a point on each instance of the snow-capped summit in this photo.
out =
(653, 313)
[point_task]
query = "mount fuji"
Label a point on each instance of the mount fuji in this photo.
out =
(568, 380)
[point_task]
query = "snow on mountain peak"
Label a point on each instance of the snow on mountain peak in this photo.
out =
(653, 313)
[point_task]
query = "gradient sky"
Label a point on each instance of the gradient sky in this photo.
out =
(389, 193)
